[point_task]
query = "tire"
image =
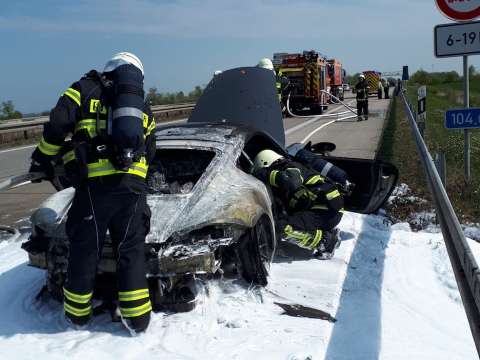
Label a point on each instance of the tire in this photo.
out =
(57, 262)
(255, 251)
(316, 109)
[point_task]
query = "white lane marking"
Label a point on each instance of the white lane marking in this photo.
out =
(317, 129)
(324, 125)
(302, 125)
(18, 148)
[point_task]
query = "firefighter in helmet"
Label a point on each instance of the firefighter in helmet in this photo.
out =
(362, 89)
(112, 144)
(312, 205)
(281, 82)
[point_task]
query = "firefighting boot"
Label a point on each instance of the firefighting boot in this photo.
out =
(309, 240)
(328, 244)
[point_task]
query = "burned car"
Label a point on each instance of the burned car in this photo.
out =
(210, 216)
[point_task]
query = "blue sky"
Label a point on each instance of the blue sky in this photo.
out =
(49, 44)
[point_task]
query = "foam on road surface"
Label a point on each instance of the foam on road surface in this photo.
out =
(392, 292)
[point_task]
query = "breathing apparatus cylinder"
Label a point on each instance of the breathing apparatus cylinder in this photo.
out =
(125, 122)
(325, 168)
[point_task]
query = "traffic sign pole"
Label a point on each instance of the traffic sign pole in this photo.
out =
(466, 132)
(460, 39)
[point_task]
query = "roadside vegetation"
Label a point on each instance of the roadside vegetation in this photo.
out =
(157, 98)
(444, 91)
(8, 111)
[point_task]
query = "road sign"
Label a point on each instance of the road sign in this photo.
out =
(462, 118)
(421, 96)
(459, 9)
(405, 73)
(457, 39)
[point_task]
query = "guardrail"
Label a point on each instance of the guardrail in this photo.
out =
(464, 265)
(21, 129)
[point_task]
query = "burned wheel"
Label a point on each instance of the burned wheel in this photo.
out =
(255, 251)
(57, 262)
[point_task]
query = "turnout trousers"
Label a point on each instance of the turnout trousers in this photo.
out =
(309, 228)
(127, 218)
(362, 108)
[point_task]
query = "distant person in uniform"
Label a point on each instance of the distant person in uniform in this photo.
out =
(379, 89)
(281, 82)
(398, 87)
(386, 88)
(361, 89)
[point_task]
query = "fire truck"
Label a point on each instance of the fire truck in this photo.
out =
(307, 75)
(335, 79)
(373, 78)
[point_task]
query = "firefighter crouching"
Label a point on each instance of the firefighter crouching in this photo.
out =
(361, 89)
(112, 145)
(313, 204)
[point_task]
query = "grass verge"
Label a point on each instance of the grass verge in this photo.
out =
(398, 147)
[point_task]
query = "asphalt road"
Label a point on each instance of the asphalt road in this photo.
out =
(353, 139)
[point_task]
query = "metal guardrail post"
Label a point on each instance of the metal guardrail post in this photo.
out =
(464, 265)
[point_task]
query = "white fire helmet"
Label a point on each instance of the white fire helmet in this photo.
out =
(123, 58)
(265, 63)
(265, 158)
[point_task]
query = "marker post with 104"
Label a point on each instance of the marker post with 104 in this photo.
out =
(462, 118)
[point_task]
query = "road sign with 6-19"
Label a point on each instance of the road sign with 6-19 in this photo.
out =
(462, 118)
(457, 39)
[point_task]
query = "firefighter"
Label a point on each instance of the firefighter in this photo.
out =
(386, 88)
(312, 205)
(398, 87)
(112, 136)
(281, 82)
(361, 89)
(380, 89)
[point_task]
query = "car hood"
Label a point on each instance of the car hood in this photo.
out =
(243, 96)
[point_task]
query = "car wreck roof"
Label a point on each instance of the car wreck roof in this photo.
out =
(205, 132)
(217, 132)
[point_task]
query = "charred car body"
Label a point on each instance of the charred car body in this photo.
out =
(209, 214)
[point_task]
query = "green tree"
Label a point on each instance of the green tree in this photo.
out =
(196, 93)
(472, 71)
(157, 98)
(421, 77)
(451, 76)
(9, 112)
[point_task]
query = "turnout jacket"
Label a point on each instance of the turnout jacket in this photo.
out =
(76, 114)
(362, 88)
(300, 187)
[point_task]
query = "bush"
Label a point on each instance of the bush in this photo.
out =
(157, 98)
(9, 112)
